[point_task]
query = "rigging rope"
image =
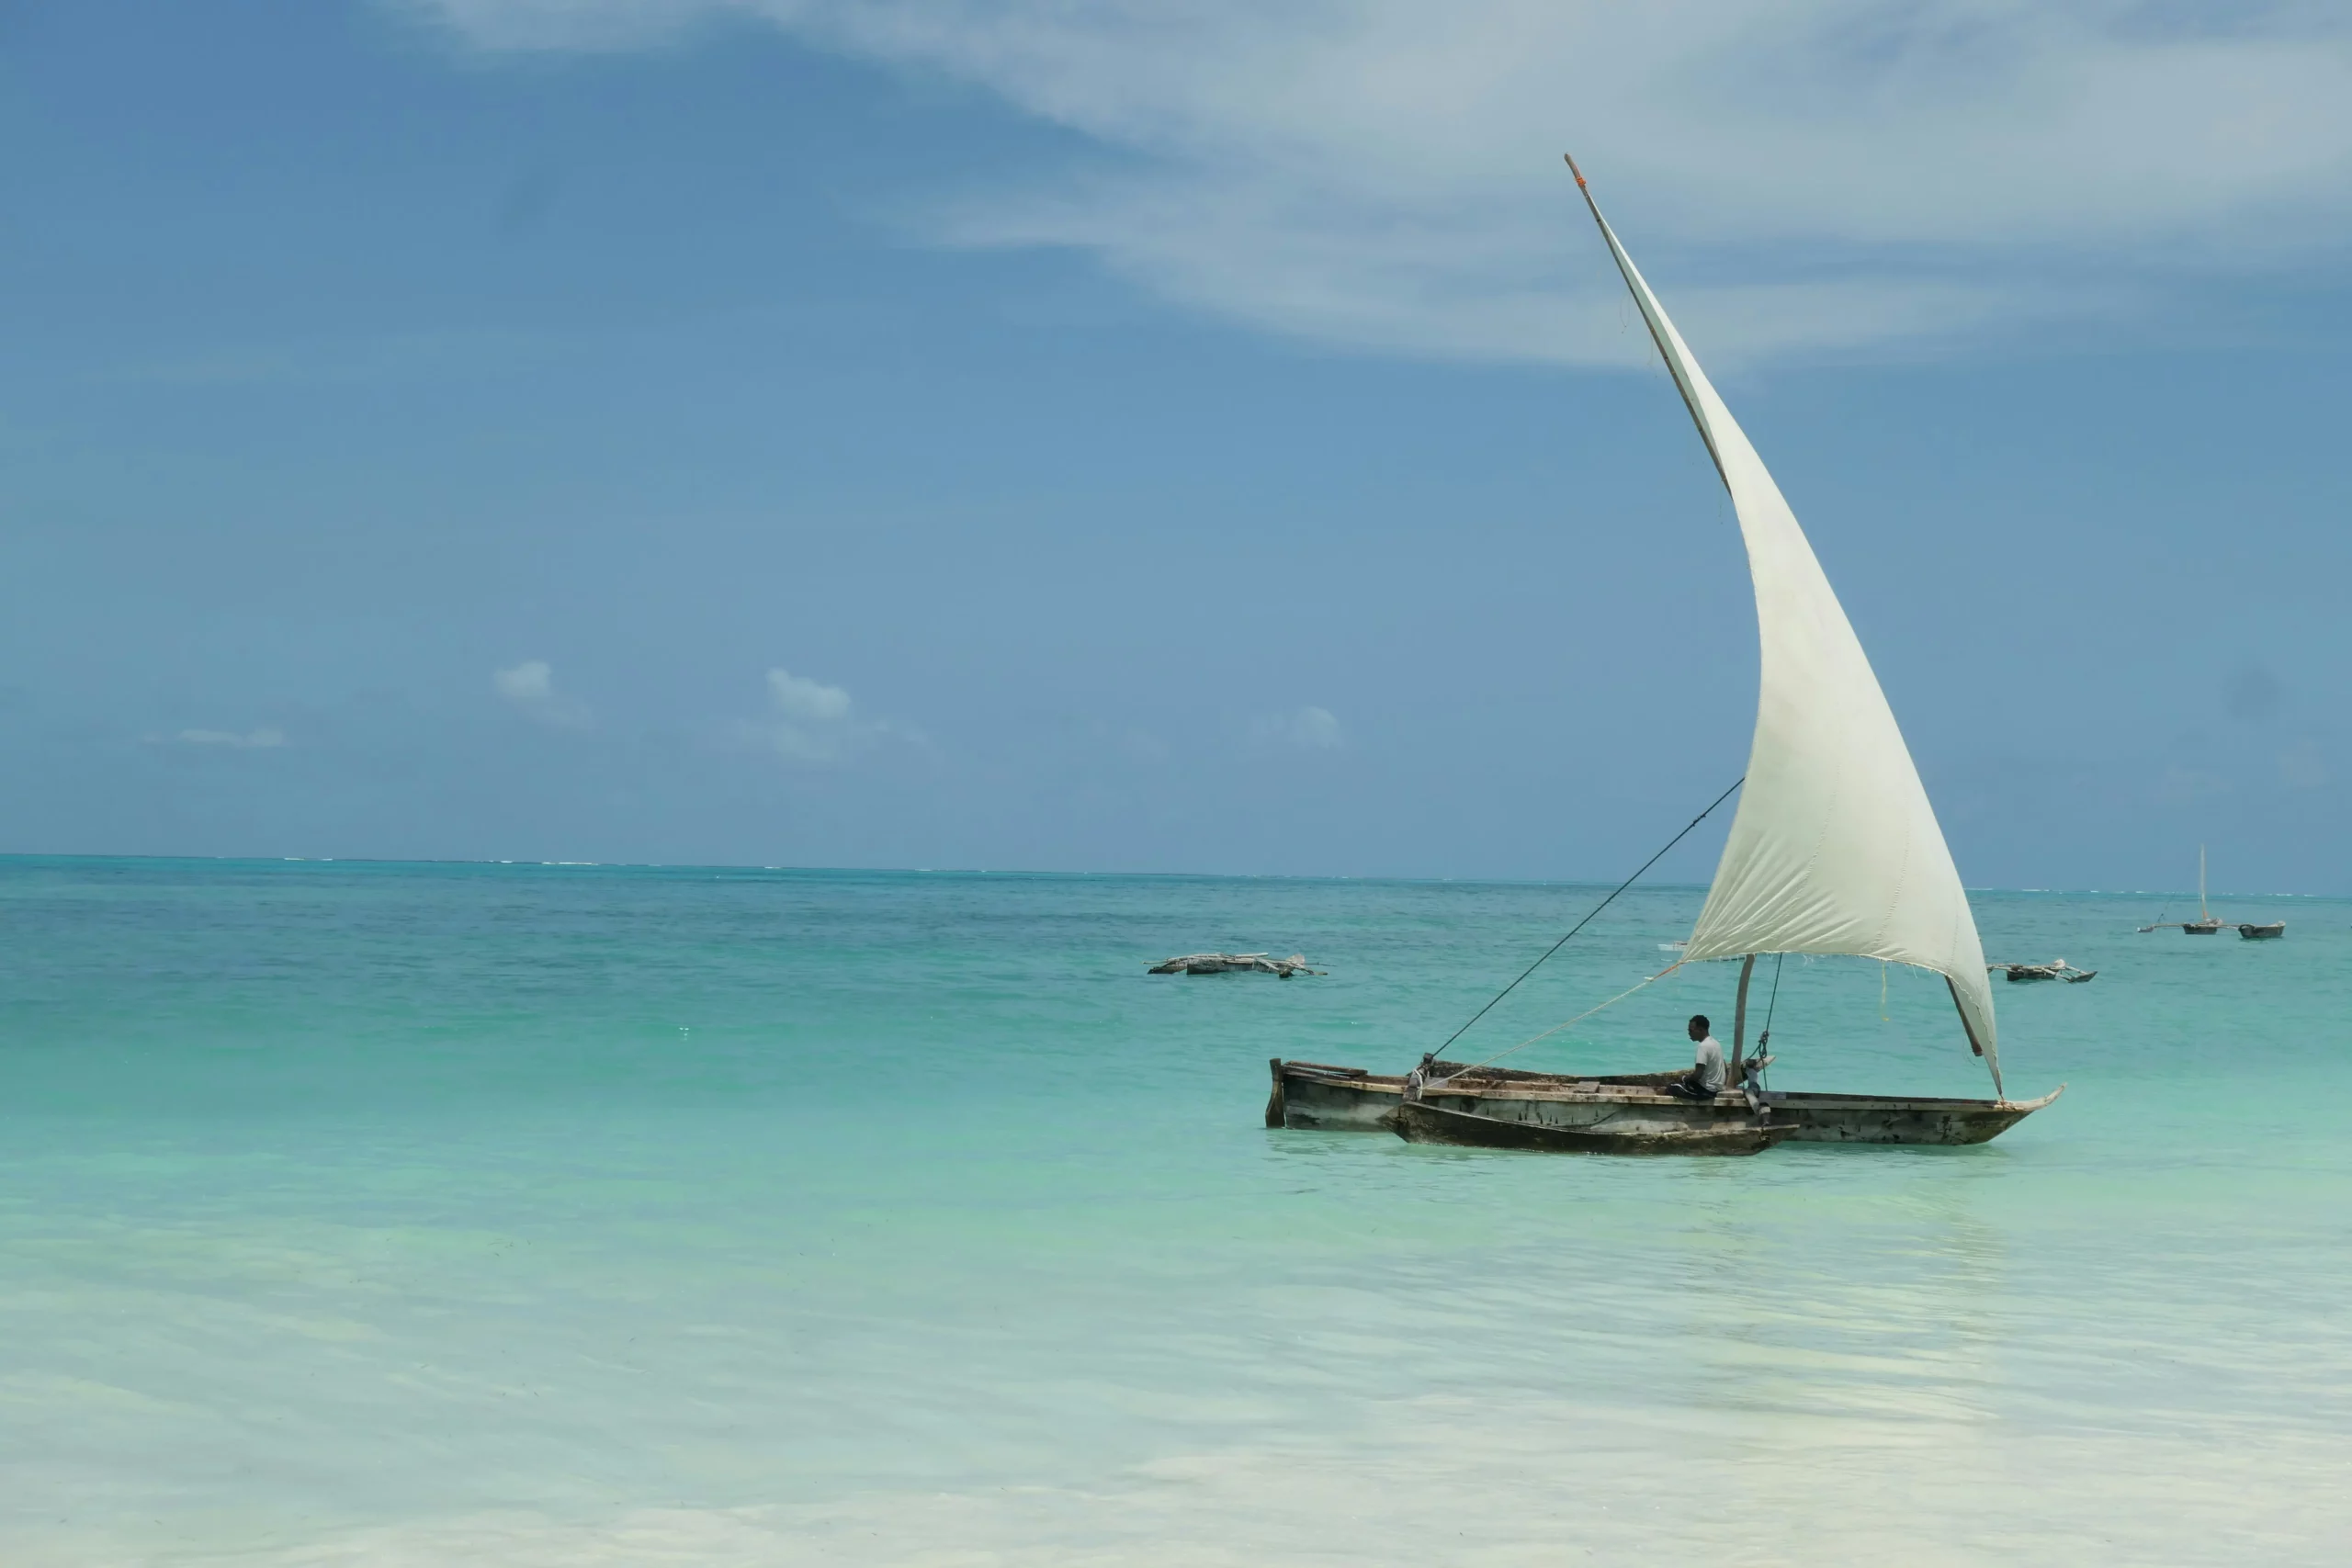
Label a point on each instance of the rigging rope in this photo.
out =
(1578, 1019)
(1764, 1041)
(1586, 921)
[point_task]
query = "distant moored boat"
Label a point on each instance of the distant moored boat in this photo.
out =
(2061, 970)
(2207, 923)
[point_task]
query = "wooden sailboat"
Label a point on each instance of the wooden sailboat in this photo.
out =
(1834, 850)
(1633, 1106)
(2204, 924)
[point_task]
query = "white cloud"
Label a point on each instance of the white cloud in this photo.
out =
(814, 722)
(1309, 728)
(530, 681)
(262, 739)
(812, 701)
(529, 688)
(1385, 172)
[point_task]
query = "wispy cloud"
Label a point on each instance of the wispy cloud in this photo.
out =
(529, 689)
(1310, 730)
(2187, 786)
(810, 722)
(264, 740)
(1385, 172)
(806, 701)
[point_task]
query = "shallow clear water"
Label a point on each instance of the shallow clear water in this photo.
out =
(451, 1214)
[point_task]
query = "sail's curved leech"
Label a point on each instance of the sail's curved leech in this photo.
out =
(1835, 849)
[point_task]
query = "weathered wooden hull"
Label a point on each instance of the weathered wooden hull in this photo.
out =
(1895, 1119)
(1310, 1095)
(1419, 1122)
(2264, 933)
(1331, 1099)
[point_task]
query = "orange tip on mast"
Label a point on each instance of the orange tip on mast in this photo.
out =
(1574, 170)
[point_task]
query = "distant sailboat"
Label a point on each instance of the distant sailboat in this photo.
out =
(1834, 850)
(2207, 923)
(2204, 924)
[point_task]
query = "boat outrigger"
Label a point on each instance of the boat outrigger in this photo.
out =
(1233, 963)
(2061, 970)
(1833, 851)
(1425, 1122)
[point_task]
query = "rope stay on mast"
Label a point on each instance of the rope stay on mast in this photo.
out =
(1578, 1019)
(1596, 909)
(1764, 1040)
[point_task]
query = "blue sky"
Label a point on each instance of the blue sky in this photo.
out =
(1111, 437)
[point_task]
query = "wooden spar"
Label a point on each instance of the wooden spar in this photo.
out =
(1969, 1029)
(1966, 1028)
(1658, 331)
(1739, 1016)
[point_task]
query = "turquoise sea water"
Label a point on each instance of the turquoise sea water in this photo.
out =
(422, 1214)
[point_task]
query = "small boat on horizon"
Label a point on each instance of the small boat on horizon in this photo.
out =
(2205, 924)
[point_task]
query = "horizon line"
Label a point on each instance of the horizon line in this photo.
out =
(1022, 872)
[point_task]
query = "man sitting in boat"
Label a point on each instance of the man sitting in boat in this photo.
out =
(1705, 1079)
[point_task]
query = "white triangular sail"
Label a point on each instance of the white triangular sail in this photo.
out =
(1835, 849)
